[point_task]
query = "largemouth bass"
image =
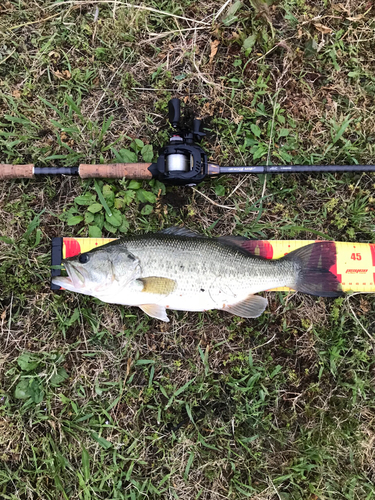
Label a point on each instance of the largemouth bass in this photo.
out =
(180, 269)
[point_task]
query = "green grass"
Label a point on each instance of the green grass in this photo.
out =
(99, 401)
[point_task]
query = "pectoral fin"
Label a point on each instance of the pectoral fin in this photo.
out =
(155, 311)
(160, 286)
(251, 307)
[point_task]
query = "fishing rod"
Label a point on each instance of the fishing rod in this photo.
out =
(181, 162)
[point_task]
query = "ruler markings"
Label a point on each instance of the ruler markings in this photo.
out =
(354, 260)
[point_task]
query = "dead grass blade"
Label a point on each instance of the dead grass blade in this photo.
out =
(129, 6)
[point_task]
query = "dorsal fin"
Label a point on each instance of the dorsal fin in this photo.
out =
(232, 241)
(235, 241)
(181, 231)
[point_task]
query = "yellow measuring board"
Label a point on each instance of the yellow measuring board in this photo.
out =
(354, 267)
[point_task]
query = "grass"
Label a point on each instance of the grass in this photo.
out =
(101, 402)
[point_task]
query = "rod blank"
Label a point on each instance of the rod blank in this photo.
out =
(55, 170)
(285, 169)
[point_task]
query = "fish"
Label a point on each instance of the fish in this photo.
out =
(179, 269)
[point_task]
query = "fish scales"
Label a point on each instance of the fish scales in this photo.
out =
(195, 273)
(198, 261)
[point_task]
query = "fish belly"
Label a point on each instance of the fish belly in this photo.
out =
(202, 298)
(193, 296)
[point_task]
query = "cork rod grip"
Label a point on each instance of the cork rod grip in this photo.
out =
(116, 171)
(16, 171)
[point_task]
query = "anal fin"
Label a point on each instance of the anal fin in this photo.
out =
(252, 307)
(155, 311)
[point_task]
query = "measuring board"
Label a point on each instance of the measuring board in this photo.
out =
(354, 267)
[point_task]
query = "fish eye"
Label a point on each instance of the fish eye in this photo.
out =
(84, 258)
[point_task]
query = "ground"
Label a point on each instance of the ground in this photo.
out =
(99, 401)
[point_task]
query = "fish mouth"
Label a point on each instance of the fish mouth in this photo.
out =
(74, 275)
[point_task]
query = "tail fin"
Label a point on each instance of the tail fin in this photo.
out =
(313, 275)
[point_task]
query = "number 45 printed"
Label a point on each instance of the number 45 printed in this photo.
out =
(356, 256)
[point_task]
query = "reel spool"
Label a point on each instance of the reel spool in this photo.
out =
(178, 163)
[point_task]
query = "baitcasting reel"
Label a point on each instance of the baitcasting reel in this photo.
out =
(182, 161)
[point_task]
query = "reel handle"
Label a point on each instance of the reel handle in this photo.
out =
(174, 111)
(197, 132)
(116, 171)
(16, 171)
